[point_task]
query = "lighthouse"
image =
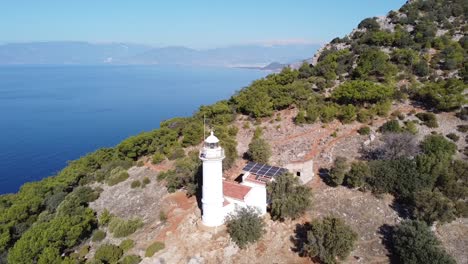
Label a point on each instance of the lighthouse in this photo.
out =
(212, 156)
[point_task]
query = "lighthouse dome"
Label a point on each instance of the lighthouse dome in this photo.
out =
(211, 139)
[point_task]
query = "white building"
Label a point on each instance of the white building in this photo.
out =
(221, 197)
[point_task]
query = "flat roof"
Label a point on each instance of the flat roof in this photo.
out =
(235, 190)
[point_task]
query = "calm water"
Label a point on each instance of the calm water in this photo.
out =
(52, 114)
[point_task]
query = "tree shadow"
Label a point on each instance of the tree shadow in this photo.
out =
(401, 208)
(324, 174)
(300, 238)
(386, 231)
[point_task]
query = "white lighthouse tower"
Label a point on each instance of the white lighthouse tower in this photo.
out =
(212, 156)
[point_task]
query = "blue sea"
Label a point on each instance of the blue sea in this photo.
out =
(53, 114)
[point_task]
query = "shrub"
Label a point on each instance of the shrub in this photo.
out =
(127, 244)
(177, 153)
(410, 126)
(444, 95)
(454, 137)
(357, 175)
(392, 126)
(433, 206)
(462, 128)
(245, 226)
(162, 216)
(117, 176)
(140, 163)
(108, 253)
(130, 259)
(158, 158)
(338, 171)
(121, 228)
(364, 116)
(300, 118)
(438, 145)
(98, 236)
(105, 218)
(83, 251)
(365, 130)
(135, 184)
(289, 199)
(153, 248)
(360, 92)
(329, 239)
(382, 108)
(429, 119)
(413, 242)
(146, 181)
(328, 113)
(259, 150)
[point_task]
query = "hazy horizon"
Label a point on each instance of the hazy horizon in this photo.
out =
(198, 25)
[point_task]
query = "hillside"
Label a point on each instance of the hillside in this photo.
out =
(382, 114)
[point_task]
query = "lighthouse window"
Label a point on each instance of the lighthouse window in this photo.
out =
(211, 145)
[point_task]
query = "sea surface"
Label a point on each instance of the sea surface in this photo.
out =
(53, 114)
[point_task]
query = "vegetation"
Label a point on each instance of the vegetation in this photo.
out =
(245, 226)
(329, 239)
(429, 119)
(365, 130)
(127, 244)
(259, 149)
(153, 248)
(99, 235)
(108, 253)
(45, 219)
(357, 175)
(130, 259)
(122, 228)
(135, 184)
(413, 242)
(338, 171)
(289, 199)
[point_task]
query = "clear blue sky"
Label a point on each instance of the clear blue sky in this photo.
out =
(193, 23)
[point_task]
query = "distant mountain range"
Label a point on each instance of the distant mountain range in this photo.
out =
(122, 53)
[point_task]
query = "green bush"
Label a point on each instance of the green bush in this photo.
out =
(140, 163)
(454, 137)
(158, 158)
(135, 184)
(127, 244)
(433, 206)
(121, 228)
(438, 146)
(462, 128)
(153, 248)
(365, 130)
(245, 226)
(105, 218)
(392, 126)
(117, 175)
(130, 259)
(360, 92)
(99, 235)
(338, 171)
(429, 119)
(444, 95)
(83, 252)
(162, 216)
(347, 114)
(289, 199)
(146, 181)
(108, 253)
(410, 126)
(357, 175)
(413, 242)
(177, 153)
(329, 239)
(259, 150)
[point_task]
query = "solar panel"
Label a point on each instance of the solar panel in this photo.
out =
(263, 170)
